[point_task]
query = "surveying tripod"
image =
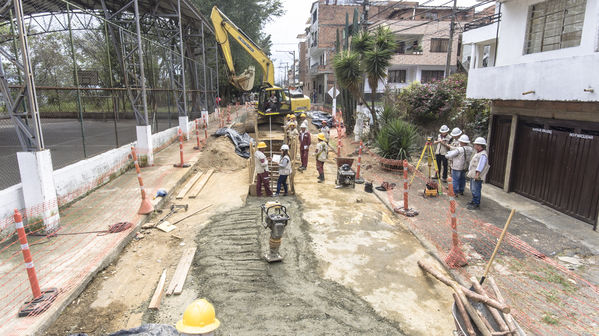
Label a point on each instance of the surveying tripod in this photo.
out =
(430, 156)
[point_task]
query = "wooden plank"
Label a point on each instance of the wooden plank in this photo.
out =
(157, 297)
(178, 280)
(200, 185)
(188, 185)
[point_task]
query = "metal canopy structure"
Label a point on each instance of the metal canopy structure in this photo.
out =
(175, 25)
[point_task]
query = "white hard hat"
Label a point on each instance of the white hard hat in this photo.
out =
(456, 132)
(284, 147)
(464, 138)
(480, 141)
(444, 129)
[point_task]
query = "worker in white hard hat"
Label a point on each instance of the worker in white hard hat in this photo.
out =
(262, 171)
(284, 170)
(305, 139)
(199, 318)
(477, 171)
(460, 158)
(442, 146)
(322, 154)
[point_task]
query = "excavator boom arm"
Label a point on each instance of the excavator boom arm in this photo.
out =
(225, 29)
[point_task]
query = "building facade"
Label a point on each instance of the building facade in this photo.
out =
(543, 80)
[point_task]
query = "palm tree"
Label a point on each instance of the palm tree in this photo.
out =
(370, 58)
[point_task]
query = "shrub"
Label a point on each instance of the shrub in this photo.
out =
(397, 140)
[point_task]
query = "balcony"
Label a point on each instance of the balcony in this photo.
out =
(573, 78)
(318, 69)
(483, 21)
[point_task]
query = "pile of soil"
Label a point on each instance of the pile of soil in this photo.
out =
(220, 155)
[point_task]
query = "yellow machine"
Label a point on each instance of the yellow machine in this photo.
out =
(287, 102)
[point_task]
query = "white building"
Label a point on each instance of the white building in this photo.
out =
(539, 64)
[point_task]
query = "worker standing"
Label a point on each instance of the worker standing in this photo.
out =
(442, 143)
(302, 120)
(262, 171)
(460, 158)
(284, 171)
(325, 130)
(322, 154)
(477, 171)
(304, 142)
(292, 136)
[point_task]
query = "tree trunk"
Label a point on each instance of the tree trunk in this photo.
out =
(348, 104)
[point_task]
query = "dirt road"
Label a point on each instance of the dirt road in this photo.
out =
(349, 268)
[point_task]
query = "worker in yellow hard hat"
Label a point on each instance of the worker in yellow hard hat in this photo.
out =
(322, 154)
(302, 119)
(199, 318)
(262, 171)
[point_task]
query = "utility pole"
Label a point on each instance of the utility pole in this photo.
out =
(365, 8)
(450, 42)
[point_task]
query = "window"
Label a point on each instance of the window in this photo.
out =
(397, 76)
(554, 24)
(428, 76)
(439, 44)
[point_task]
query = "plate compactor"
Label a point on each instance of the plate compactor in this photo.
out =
(346, 176)
(274, 217)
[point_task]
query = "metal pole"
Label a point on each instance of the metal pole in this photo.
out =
(204, 66)
(450, 42)
(29, 80)
(114, 99)
(142, 76)
(182, 57)
(76, 78)
(216, 61)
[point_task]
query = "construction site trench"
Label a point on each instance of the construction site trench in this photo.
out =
(349, 267)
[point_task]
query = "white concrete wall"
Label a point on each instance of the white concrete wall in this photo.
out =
(550, 79)
(73, 181)
(512, 34)
(481, 34)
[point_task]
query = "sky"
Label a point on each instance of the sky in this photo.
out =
(285, 29)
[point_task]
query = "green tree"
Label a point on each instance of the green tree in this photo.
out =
(370, 58)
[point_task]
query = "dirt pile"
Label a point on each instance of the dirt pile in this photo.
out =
(220, 155)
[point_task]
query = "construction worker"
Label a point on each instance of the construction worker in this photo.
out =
(325, 130)
(460, 158)
(302, 119)
(322, 154)
(262, 171)
(199, 318)
(477, 171)
(292, 136)
(284, 170)
(304, 142)
(441, 150)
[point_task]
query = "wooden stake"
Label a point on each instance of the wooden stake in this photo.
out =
(494, 312)
(157, 297)
(507, 224)
(460, 293)
(464, 314)
(509, 319)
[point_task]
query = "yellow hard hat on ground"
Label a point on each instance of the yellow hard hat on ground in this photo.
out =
(321, 137)
(261, 144)
(303, 115)
(198, 318)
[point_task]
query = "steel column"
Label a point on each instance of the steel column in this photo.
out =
(76, 79)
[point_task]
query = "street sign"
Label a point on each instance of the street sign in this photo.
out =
(333, 92)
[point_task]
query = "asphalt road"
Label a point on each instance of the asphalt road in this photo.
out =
(63, 137)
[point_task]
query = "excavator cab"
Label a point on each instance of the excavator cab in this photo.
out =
(266, 105)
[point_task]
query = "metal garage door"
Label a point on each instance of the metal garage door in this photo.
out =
(557, 163)
(500, 138)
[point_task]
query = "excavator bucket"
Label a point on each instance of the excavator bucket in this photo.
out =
(245, 81)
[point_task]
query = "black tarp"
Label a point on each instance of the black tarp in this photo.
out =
(318, 117)
(241, 141)
(145, 330)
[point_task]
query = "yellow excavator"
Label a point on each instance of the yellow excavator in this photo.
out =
(286, 102)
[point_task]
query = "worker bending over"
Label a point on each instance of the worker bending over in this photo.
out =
(262, 172)
(322, 154)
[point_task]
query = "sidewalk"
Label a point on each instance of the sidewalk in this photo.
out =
(547, 265)
(70, 262)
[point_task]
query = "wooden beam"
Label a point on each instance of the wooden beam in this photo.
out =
(178, 280)
(159, 292)
(193, 193)
(189, 184)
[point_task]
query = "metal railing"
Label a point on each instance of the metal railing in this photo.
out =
(483, 21)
